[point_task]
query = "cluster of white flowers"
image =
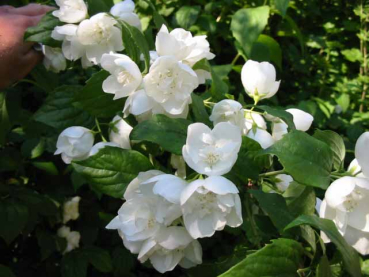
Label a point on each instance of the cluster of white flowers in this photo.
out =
(70, 212)
(346, 200)
(87, 38)
(259, 81)
(168, 86)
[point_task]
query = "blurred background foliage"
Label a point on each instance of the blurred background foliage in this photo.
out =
(319, 48)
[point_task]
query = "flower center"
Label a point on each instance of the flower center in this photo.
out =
(100, 33)
(212, 158)
(167, 82)
(151, 222)
(206, 203)
(124, 77)
(352, 200)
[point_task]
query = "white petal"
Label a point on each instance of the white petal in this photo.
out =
(199, 227)
(262, 137)
(169, 187)
(220, 185)
(362, 153)
(302, 119)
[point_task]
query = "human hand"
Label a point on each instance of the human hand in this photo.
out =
(18, 58)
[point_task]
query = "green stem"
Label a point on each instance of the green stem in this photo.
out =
(236, 59)
(99, 129)
(272, 173)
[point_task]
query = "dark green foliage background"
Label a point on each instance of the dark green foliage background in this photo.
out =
(318, 51)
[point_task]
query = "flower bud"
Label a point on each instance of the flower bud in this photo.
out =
(259, 80)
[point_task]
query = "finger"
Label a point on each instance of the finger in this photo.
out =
(31, 10)
(29, 61)
(26, 47)
(29, 21)
(6, 9)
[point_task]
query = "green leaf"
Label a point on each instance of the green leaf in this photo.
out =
(48, 167)
(158, 19)
(306, 159)
(46, 242)
(218, 88)
(99, 6)
(296, 32)
(169, 133)
(202, 64)
(33, 148)
(335, 143)
(267, 49)
(6, 271)
(45, 79)
(14, 217)
(352, 55)
(99, 258)
(349, 255)
(248, 24)
(199, 111)
(74, 264)
(135, 43)
(4, 118)
(58, 111)
(95, 101)
(187, 16)
(324, 268)
(281, 258)
(282, 114)
(248, 164)
(123, 261)
(275, 206)
(112, 169)
(300, 199)
(42, 32)
(365, 267)
(282, 6)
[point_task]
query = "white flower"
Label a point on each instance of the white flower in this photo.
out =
(171, 246)
(70, 209)
(262, 137)
(120, 133)
(125, 11)
(362, 153)
(170, 84)
(125, 75)
(254, 119)
(54, 59)
(180, 44)
(212, 152)
(72, 238)
(74, 143)
(228, 111)
(347, 204)
(143, 107)
(177, 162)
(71, 47)
(259, 80)
(301, 119)
(283, 181)
(71, 11)
(99, 35)
(153, 201)
(100, 145)
(208, 205)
